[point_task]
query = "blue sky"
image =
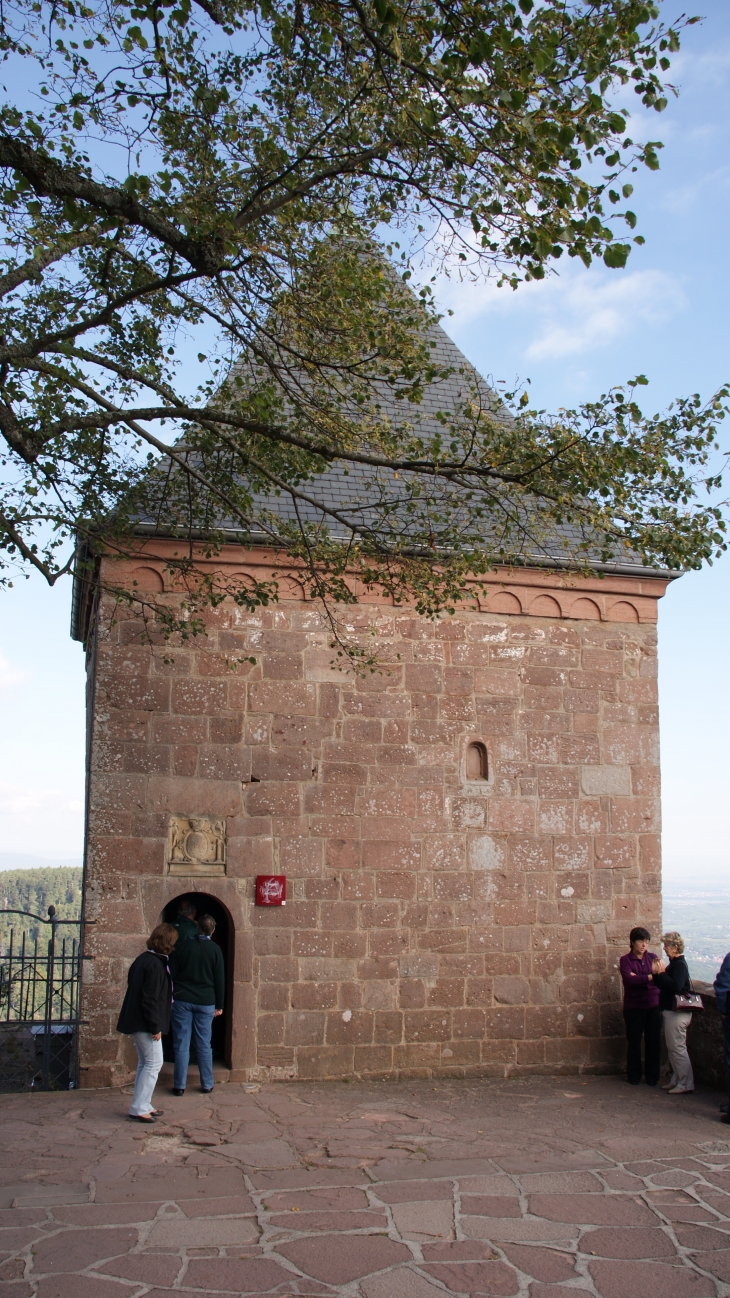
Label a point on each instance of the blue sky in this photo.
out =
(665, 315)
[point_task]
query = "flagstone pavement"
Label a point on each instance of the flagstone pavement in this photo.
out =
(542, 1187)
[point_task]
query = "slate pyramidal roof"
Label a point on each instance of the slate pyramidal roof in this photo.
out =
(359, 491)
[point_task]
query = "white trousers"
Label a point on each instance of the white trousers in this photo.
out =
(149, 1063)
(676, 1024)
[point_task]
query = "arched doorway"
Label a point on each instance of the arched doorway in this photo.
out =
(224, 936)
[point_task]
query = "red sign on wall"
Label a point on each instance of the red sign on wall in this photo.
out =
(271, 890)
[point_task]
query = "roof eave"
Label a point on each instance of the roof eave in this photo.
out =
(237, 536)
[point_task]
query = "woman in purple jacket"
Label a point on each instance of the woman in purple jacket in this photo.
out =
(642, 1015)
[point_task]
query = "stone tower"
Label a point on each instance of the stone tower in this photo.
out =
(466, 837)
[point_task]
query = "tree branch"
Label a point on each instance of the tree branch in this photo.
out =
(30, 556)
(47, 341)
(26, 445)
(214, 10)
(34, 265)
(50, 179)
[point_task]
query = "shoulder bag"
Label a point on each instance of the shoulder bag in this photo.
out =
(690, 1000)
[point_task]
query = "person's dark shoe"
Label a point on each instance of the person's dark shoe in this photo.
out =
(176, 1090)
(157, 1113)
(143, 1117)
(652, 1083)
(209, 1092)
(726, 1118)
(631, 1081)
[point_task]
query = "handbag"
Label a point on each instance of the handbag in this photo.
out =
(688, 1000)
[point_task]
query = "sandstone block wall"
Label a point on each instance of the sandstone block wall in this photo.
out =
(435, 924)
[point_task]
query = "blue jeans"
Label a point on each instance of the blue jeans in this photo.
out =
(149, 1063)
(189, 1020)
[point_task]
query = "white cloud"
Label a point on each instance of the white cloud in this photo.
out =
(576, 312)
(41, 819)
(698, 67)
(593, 313)
(16, 800)
(706, 189)
(10, 675)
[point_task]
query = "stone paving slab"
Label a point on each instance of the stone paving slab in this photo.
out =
(464, 1189)
(22, 1195)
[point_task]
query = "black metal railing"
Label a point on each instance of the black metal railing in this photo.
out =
(40, 999)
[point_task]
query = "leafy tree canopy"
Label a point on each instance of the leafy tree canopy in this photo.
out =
(208, 187)
(34, 891)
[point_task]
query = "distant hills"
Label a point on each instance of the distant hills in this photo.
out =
(21, 861)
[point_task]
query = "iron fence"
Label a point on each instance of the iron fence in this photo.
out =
(40, 996)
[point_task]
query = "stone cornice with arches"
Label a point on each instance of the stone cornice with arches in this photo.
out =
(532, 592)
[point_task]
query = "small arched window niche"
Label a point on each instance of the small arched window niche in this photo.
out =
(477, 762)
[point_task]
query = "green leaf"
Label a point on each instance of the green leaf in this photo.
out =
(616, 255)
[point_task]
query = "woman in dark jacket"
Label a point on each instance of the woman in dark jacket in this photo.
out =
(675, 981)
(145, 1015)
(641, 1008)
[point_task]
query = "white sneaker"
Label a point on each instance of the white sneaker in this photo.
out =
(681, 1090)
(667, 1086)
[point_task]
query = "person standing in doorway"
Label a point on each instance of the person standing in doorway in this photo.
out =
(675, 981)
(199, 980)
(642, 1015)
(145, 1015)
(184, 922)
(721, 987)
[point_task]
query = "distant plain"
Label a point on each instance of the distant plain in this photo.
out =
(703, 919)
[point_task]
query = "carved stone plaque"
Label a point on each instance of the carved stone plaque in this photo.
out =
(196, 845)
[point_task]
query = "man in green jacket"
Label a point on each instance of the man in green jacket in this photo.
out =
(198, 980)
(185, 921)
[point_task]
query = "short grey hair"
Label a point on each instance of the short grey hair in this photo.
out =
(674, 939)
